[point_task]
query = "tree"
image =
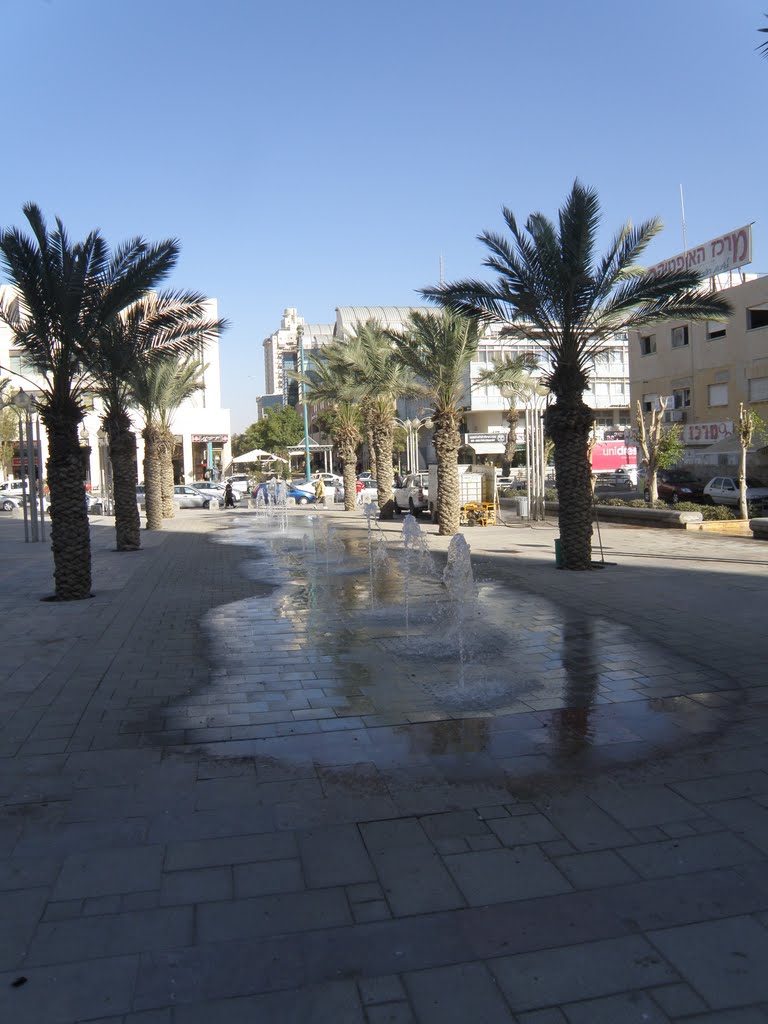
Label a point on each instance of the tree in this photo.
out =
(749, 425)
(9, 429)
(65, 294)
(276, 432)
(763, 47)
(551, 290)
(378, 378)
(662, 447)
(171, 322)
(327, 381)
(160, 384)
(437, 349)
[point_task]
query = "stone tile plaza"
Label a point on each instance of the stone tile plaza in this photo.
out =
(273, 771)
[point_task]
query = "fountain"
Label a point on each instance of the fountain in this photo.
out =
(417, 557)
(460, 583)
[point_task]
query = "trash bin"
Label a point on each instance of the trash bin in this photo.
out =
(522, 508)
(558, 554)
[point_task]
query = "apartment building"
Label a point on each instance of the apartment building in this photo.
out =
(705, 371)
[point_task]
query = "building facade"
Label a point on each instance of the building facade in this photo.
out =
(704, 372)
(200, 425)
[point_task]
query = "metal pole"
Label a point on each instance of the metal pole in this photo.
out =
(40, 484)
(23, 481)
(303, 400)
(31, 477)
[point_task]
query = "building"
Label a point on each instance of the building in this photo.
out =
(201, 426)
(704, 372)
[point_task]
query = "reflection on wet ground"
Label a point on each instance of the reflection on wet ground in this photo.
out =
(323, 669)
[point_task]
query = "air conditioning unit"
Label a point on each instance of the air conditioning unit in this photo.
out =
(676, 416)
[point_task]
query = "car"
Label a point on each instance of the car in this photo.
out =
(674, 485)
(216, 490)
(625, 477)
(11, 489)
(189, 497)
(413, 496)
(724, 490)
(8, 502)
(301, 495)
(331, 480)
(369, 493)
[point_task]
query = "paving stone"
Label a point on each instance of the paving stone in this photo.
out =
(723, 960)
(557, 976)
(390, 1013)
(202, 853)
(19, 914)
(337, 1002)
(64, 993)
(100, 872)
(196, 886)
(266, 877)
(334, 856)
(385, 989)
(261, 916)
(374, 910)
(551, 1016)
(457, 994)
(692, 853)
(678, 1000)
(525, 828)
(62, 910)
(497, 876)
(454, 823)
(409, 869)
(629, 1008)
(723, 787)
(750, 1015)
(110, 935)
(586, 825)
(594, 870)
(641, 806)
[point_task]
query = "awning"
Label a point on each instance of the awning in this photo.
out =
(486, 448)
(257, 455)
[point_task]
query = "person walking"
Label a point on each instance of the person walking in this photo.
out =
(320, 491)
(229, 497)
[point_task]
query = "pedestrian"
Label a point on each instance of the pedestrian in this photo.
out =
(229, 498)
(319, 492)
(359, 488)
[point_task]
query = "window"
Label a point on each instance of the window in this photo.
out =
(715, 329)
(679, 336)
(681, 398)
(650, 402)
(758, 389)
(718, 394)
(647, 344)
(757, 316)
(18, 362)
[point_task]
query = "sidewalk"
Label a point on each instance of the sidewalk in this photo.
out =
(226, 802)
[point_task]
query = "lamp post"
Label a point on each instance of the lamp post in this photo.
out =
(29, 457)
(412, 428)
(537, 402)
(303, 400)
(105, 472)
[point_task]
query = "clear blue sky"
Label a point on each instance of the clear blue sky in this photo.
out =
(319, 154)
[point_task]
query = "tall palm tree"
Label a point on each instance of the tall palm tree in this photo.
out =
(328, 381)
(160, 384)
(65, 293)
(379, 378)
(172, 322)
(550, 290)
(438, 348)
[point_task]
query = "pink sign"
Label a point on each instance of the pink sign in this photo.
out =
(607, 455)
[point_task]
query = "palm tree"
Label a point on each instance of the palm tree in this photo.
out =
(438, 348)
(512, 376)
(327, 380)
(172, 322)
(160, 384)
(550, 291)
(379, 379)
(763, 47)
(65, 294)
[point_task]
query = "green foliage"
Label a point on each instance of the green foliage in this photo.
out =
(670, 448)
(276, 432)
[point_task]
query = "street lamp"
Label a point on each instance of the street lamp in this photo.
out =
(29, 457)
(412, 428)
(303, 399)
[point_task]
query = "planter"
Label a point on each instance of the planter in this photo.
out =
(733, 527)
(759, 528)
(666, 518)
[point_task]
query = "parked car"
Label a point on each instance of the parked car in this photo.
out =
(215, 490)
(675, 485)
(11, 489)
(189, 497)
(369, 493)
(625, 477)
(724, 490)
(8, 502)
(300, 495)
(413, 496)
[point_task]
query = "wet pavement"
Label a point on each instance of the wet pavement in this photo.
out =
(277, 770)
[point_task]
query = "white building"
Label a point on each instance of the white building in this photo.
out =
(201, 426)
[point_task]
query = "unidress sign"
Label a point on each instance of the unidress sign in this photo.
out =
(717, 256)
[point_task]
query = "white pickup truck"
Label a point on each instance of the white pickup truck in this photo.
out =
(413, 496)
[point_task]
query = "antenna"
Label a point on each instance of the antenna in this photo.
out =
(682, 211)
(442, 276)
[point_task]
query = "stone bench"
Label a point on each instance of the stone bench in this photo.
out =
(759, 528)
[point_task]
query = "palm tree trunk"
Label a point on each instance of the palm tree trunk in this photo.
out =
(165, 452)
(70, 531)
(372, 456)
(348, 456)
(447, 441)
(568, 423)
(122, 454)
(385, 474)
(153, 497)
